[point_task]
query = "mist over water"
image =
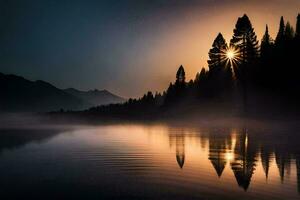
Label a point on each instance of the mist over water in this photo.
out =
(210, 160)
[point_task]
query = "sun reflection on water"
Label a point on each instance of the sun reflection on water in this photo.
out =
(232, 157)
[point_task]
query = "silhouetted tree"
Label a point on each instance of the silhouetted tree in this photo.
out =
(245, 39)
(266, 64)
(190, 85)
(148, 99)
(217, 53)
(176, 91)
(201, 83)
(281, 32)
(159, 98)
(180, 75)
(170, 95)
(289, 32)
(180, 84)
(220, 73)
(280, 55)
(274, 69)
(266, 43)
(295, 49)
(297, 34)
(201, 77)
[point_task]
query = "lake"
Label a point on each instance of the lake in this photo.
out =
(150, 161)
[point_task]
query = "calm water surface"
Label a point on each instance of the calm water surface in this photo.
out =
(150, 162)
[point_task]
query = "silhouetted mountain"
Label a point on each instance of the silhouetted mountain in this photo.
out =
(96, 97)
(21, 95)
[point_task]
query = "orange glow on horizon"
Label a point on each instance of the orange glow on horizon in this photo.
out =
(187, 40)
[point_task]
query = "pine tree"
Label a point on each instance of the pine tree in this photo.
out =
(176, 91)
(200, 77)
(197, 77)
(180, 85)
(180, 75)
(219, 68)
(289, 32)
(159, 99)
(281, 32)
(201, 83)
(216, 54)
(297, 34)
(170, 95)
(267, 55)
(266, 43)
(148, 98)
(245, 40)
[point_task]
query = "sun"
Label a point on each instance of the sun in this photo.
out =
(230, 54)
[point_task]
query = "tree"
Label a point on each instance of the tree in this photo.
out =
(159, 99)
(148, 98)
(176, 91)
(180, 81)
(245, 40)
(281, 32)
(219, 69)
(266, 43)
(200, 77)
(202, 74)
(267, 55)
(217, 52)
(297, 34)
(180, 75)
(170, 94)
(286, 55)
(201, 80)
(289, 32)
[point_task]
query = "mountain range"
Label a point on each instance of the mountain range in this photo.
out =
(18, 94)
(95, 97)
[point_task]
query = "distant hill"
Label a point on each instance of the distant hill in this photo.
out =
(95, 97)
(18, 94)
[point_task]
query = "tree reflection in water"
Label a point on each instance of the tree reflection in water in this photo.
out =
(243, 151)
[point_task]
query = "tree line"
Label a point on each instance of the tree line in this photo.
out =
(241, 75)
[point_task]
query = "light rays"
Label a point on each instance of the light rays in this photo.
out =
(231, 56)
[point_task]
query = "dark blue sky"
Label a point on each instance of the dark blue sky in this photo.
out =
(126, 46)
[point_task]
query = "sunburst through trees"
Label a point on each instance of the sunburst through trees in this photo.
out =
(240, 72)
(231, 56)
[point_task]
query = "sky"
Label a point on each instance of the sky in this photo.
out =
(125, 46)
